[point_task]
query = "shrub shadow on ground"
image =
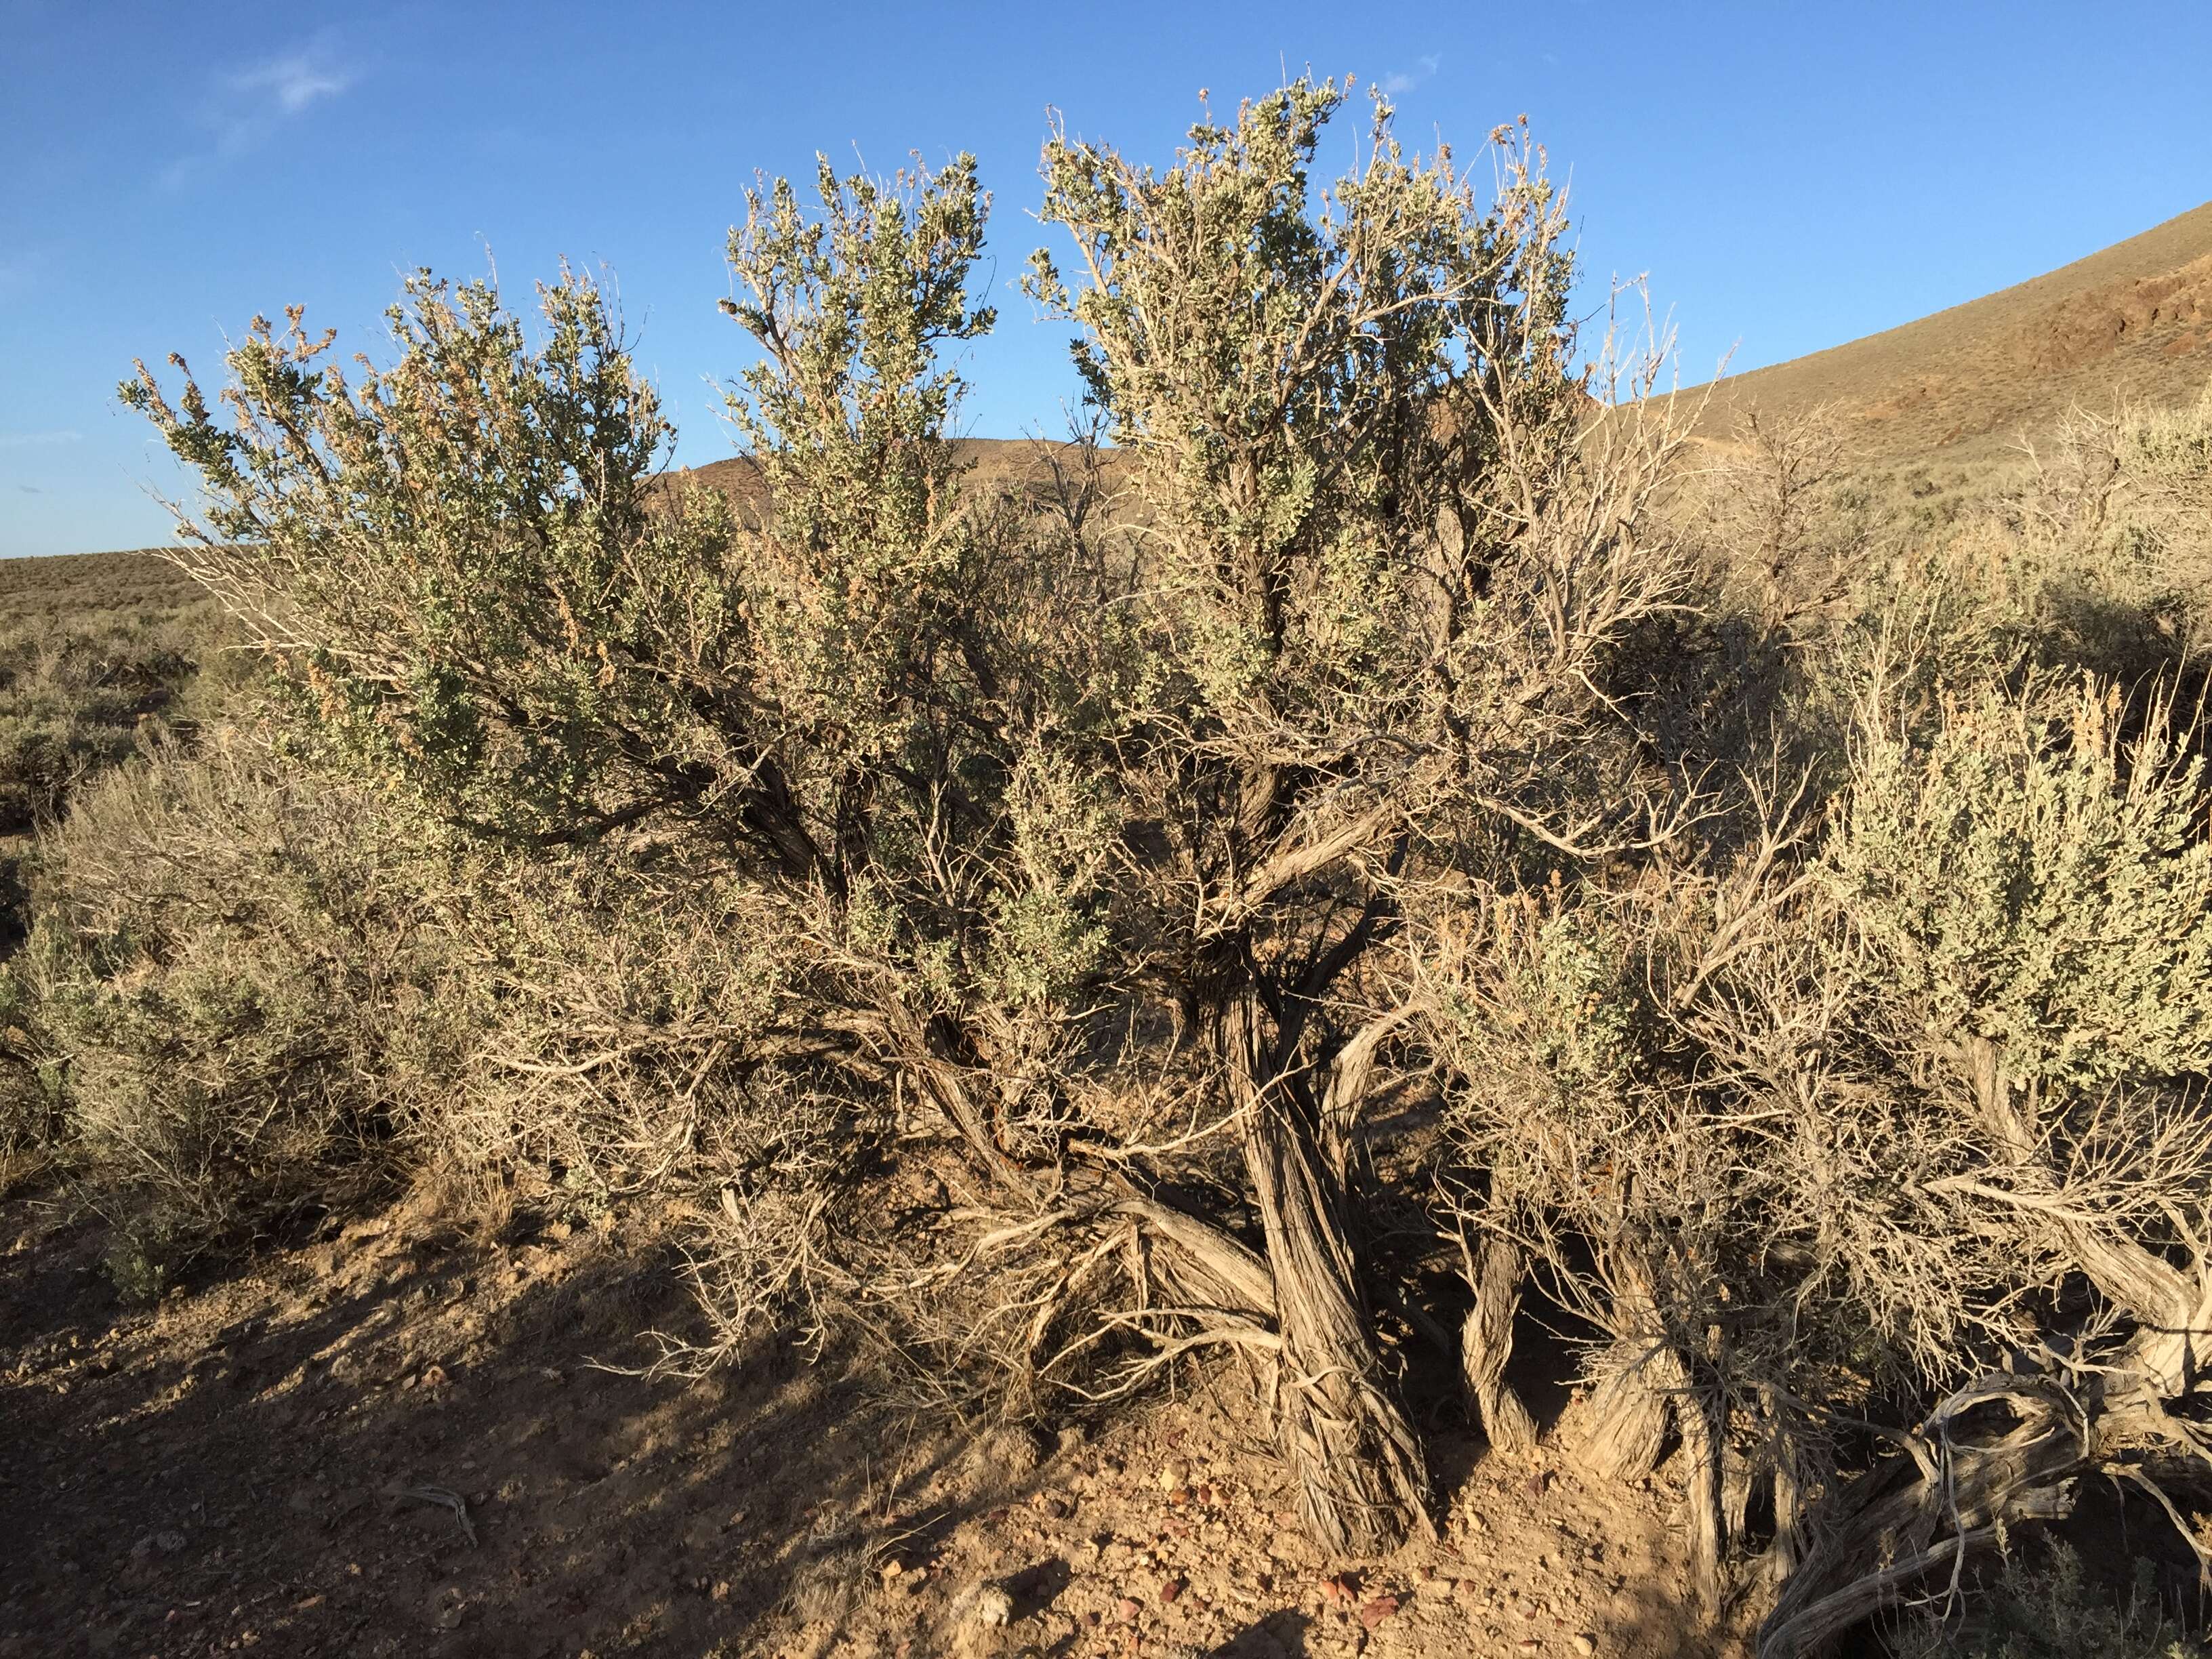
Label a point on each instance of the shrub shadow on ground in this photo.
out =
(235, 1467)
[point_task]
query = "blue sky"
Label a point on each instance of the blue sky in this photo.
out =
(1789, 175)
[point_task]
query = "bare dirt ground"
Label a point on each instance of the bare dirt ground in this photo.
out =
(262, 1464)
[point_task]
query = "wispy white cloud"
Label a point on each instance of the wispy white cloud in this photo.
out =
(30, 439)
(296, 80)
(1404, 80)
(245, 108)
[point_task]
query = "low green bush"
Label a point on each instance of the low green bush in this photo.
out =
(243, 986)
(2041, 1606)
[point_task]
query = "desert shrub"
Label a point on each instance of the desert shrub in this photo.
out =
(95, 650)
(99, 656)
(247, 980)
(2040, 1607)
(1901, 1097)
(506, 641)
(31, 1096)
(1868, 1114)
(2033, 881)
(254, 993)
(1007, 926)
(971, 808)
(1390, 556)
(2094, 556)
(2114, 515)
(72, 699)
(1775, 514)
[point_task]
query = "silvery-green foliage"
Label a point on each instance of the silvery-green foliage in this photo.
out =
(260, 990)
(1298, 373)
(465, 560)
(2043, 1605)
(865, 572)
(2034, 875)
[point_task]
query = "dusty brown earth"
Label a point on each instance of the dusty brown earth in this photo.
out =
(265, 1463)
(2131, 323)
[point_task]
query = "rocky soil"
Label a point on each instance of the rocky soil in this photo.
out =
(401, 1439)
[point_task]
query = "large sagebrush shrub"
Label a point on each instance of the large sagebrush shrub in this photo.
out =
(1017, 803)
(1375, 852)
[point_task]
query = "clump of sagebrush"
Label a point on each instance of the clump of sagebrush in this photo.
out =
(1776, 508)
(829, 720)
(77, 695)
(1127, 869)
(99, 654)
(1018, 807)
(2041, 1606)
(245, 985)
(254, 995)
(1894, 1111)
(2092, 554)
(2114, 528)
(31, 1082)
(1389, 555)
(476, 585)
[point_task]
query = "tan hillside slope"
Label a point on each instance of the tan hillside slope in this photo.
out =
(2131, 323)
(1019, 464)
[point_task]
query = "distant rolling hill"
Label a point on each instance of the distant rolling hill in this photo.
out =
(2132, 323)
(1019, 464)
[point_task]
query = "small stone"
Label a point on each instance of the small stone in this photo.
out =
(1584, 1645)
(994, 1608)
(1170, 1589)
(1128, 1610)
(1381, 1608)
(1174, 1473)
